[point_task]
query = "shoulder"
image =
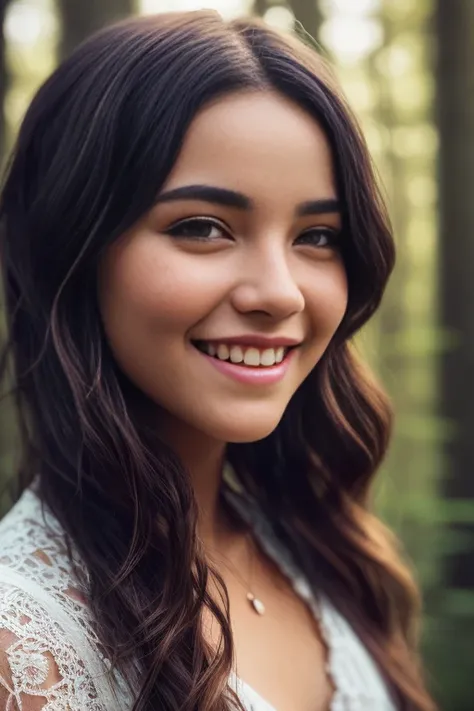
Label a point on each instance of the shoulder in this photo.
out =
(34, 557)
(49, 654)
(28, 533)
(351, 666)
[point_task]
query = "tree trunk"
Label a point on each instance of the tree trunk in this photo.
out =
(454, 24)
(3, 80)
(80, 19)
(455, 112)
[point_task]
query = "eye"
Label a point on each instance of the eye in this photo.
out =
(321, 237)
(198, 228)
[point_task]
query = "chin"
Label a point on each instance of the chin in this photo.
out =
(240, 432)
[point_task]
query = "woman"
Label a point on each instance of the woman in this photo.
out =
(191, 236)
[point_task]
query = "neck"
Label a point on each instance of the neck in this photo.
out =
(203, 459)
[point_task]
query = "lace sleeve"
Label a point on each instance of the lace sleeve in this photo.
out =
(40, 670)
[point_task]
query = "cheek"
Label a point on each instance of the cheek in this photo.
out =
(148, 288)
(326, 300)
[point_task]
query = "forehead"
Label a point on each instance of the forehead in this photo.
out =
(261, 144)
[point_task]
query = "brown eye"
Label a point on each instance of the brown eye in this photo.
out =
(321, 237)
(199, 229)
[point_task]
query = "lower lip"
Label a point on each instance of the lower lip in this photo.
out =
(260, 375)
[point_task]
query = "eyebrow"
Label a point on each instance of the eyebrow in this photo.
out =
(231, 198)
(318, 207)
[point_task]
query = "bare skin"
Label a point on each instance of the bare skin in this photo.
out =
(269, 269)
(281, 654)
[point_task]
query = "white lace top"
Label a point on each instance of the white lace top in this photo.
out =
(50, 657)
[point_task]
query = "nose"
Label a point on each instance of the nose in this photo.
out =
(268, 286)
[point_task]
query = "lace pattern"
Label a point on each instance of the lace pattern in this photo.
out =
(50, 656)
(39, 652)
(49, 644)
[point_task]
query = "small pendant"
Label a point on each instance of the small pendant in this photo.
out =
(257, 604)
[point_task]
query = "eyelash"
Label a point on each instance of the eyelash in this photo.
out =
(174, 230)
(332, 235)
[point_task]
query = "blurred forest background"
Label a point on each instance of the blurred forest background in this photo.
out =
(407, 67)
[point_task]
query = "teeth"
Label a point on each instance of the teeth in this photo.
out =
(236, 354)
(222, 352)
(268, 357)
(252, 356)
(247, 355)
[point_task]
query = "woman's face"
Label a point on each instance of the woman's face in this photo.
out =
(235, 267)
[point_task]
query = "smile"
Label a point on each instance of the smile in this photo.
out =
(248, 364)
(247, 356)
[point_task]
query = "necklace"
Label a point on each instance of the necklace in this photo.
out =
(255, 603)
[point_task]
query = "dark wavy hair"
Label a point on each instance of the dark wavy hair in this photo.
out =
(97, 142)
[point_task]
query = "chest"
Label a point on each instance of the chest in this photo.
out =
(280, 656)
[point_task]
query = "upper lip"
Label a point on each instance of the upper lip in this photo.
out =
(254, 340)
